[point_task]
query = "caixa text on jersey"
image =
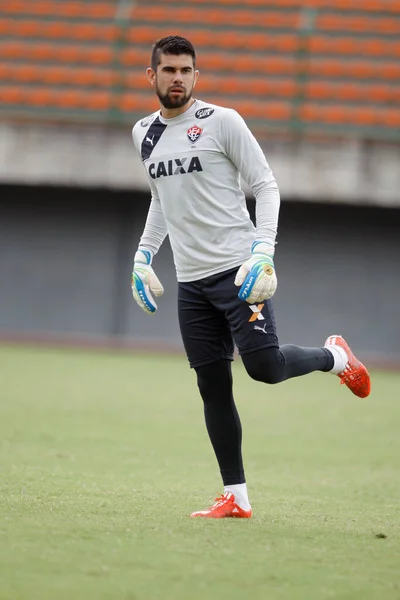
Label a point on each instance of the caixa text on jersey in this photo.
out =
(174, 166)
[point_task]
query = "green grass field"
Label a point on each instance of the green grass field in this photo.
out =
(104, 455)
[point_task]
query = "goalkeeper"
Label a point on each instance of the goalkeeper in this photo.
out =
(194, 153)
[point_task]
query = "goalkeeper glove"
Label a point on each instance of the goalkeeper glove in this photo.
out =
(145, 281)
(257, 276)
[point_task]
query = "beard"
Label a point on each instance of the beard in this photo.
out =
(173, 102)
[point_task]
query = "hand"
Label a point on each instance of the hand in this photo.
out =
(257, 276)
(145, 281)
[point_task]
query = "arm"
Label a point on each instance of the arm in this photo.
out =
(144, 280)
(256, 277)
(155, 229)
(244, 151)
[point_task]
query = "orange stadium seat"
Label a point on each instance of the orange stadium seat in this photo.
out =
(98, 101)
(68, 53)
(95, 10)
(58, 30)
(215, 16)
(228, 40)
(280, 111)
(359, 24)
(358, 69)
(316, 113)
(247, 86)
(267, 64)
(377, 47)
(23, 73)
(68, 99)
(77, 99)
(360, 5)
(12, 49)
(129, 103)
(77, 56)
(345, 5)
(351, 91)
(248, 63)
(390, 117)
(350, 115)
(38, 96)
(56, 98)
(59, 75)
(11, 95)
(63, 53)
(388, 70)
(134, 57)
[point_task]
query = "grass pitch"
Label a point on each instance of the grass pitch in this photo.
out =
(105, 455)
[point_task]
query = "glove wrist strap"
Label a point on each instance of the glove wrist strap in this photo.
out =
(260, 247)
(143, 256)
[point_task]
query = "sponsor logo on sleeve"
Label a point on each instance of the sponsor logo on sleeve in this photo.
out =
(203, 113)
(145, 122)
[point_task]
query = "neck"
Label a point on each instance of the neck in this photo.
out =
(170, 113)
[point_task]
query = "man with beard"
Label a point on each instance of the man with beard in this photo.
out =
(194, 153)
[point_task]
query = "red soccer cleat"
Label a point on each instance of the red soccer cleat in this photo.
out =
(225, 506)
(355, 374)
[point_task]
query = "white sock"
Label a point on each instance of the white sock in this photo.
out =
(340, 359)
(239, 490)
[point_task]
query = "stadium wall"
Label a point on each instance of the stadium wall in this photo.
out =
(66, 257)
(348, 170)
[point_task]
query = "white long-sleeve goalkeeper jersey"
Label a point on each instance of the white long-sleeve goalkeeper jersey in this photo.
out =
(193, 163)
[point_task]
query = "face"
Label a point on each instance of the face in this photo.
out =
(174, 79)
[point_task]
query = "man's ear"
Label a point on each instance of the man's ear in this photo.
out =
(196, 76)
(151, 76)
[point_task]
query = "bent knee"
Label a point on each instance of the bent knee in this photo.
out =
(264, 365)
(265, 375)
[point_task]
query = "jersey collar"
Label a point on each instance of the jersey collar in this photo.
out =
(181, 117)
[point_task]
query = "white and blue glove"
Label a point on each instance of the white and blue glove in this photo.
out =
(257, 276)
(145, 282)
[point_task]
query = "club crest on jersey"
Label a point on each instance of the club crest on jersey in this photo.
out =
(194, 133)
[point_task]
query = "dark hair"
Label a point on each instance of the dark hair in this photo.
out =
(172, 44)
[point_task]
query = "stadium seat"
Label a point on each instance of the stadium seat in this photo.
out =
(57, 30)
(86, 10)
(342, 5)
(363, 46)
(248, 86)
(359, 24)
(352, 91)
(268, 64)
(351, 115)
(130, 103)
(354, 69)
(216, 16)
(205, 38)
(339, 69)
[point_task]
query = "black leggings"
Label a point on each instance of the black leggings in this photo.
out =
(222, 418)
(273, 365)
(269, 365)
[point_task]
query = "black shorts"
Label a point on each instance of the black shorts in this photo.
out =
(212, 320)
